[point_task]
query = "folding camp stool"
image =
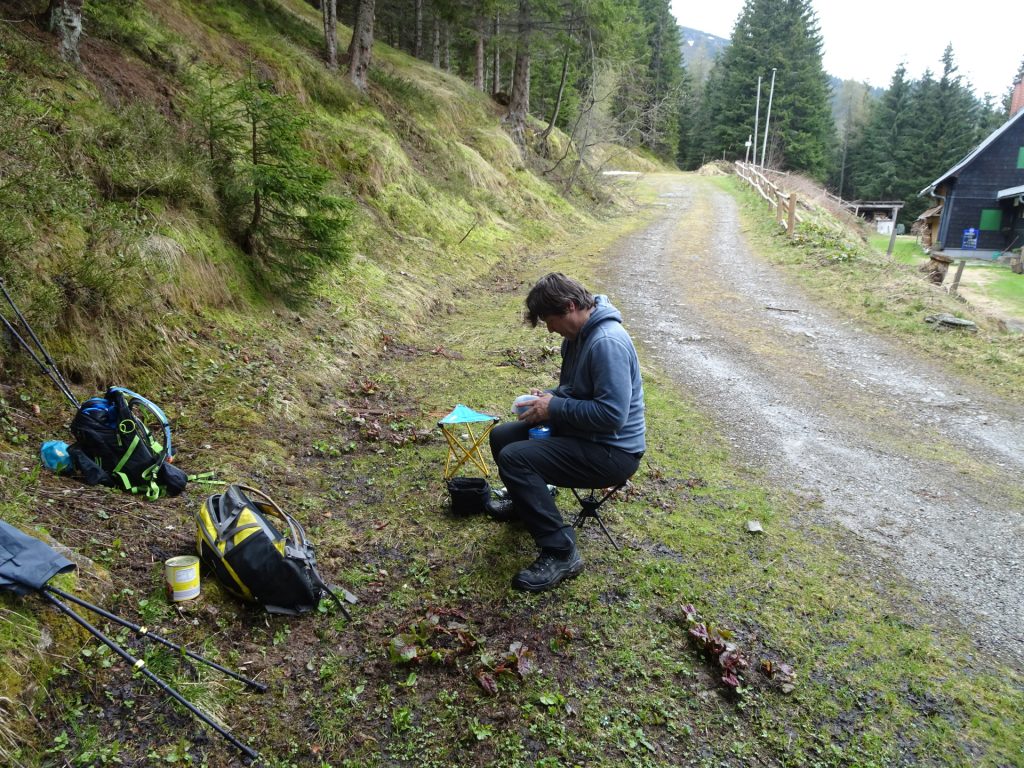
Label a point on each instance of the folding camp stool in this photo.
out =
(590, 506)
(466, 430)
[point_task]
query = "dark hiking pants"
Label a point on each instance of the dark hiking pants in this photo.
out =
(527, 467)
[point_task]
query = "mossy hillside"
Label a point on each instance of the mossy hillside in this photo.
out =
(435, 206)
(125, 268)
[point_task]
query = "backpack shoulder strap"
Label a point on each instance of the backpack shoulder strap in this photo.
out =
(130, 398)
(270, 508)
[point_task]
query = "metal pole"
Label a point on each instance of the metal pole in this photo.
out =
(757, 116)
(52, 371)
(140, 666)
(747, 145)
(767, 118)
(144, 632)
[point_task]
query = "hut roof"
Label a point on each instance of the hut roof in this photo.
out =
(973, 153)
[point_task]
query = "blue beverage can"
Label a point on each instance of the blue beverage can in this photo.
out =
(540, 433)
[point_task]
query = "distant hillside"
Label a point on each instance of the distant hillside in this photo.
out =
(700, 50)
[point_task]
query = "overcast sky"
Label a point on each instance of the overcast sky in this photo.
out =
(866, 40)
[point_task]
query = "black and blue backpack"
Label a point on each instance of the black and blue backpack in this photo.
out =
(115, 447)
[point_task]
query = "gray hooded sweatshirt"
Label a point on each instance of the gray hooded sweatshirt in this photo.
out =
(600, 396)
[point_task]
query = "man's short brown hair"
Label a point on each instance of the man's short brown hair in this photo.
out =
(552, 294)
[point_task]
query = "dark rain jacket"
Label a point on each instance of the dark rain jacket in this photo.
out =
(26, 563)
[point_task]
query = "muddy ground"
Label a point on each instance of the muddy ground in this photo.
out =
(915, 463)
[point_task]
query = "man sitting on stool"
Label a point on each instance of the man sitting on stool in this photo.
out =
(596, 415)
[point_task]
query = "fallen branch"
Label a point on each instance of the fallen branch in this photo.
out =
(470, 230)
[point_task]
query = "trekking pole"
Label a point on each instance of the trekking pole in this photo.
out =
(24, 344)
(53, 371)
(140, 665)
(144, 632)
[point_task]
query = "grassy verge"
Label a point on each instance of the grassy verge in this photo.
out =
(989, 279)
(906, 250)
(887, 296)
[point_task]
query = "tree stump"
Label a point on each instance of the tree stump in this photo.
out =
(936, 267)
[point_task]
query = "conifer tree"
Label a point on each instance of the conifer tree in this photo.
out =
(917, 131)
(273, 195)
(954, 99)
(650, 86)
(945, 125)
(781, 35)
(880, 150)
(294, 227)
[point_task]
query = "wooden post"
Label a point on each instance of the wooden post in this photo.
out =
(791, 224)
(892, 236)
(779, 202)
(956, 280)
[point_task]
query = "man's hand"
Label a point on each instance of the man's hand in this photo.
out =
(537, 413)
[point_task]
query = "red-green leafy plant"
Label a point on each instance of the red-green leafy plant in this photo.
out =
(440, 638)
(716, 644)
(517, 664)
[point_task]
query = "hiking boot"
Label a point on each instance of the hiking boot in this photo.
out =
(501, 510)
(548, 571)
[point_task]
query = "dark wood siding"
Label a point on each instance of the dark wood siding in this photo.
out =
(975, 190)
(1017, 227)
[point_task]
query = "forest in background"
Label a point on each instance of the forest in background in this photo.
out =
(613, 72)
(575, 54)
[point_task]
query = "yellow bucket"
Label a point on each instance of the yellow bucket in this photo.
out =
(181, 578)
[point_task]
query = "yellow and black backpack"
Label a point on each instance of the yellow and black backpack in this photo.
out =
(259, 553)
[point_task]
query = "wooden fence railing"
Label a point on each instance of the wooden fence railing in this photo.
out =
(784, 202)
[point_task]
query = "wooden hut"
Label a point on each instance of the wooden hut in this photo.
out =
(926, 226)
(982, 196)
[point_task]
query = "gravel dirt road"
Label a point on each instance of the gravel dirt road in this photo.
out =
(924, 468)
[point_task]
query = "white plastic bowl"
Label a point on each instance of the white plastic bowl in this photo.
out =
(522, 404)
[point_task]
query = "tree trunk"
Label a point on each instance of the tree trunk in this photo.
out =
(496, 83)
(361, 46)
(519, 99)
(561, 92)
(65, 18)
(437, 44)
(447, 47)
(330, 14)
(417, 49)
(478, 70)
(249, 238)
